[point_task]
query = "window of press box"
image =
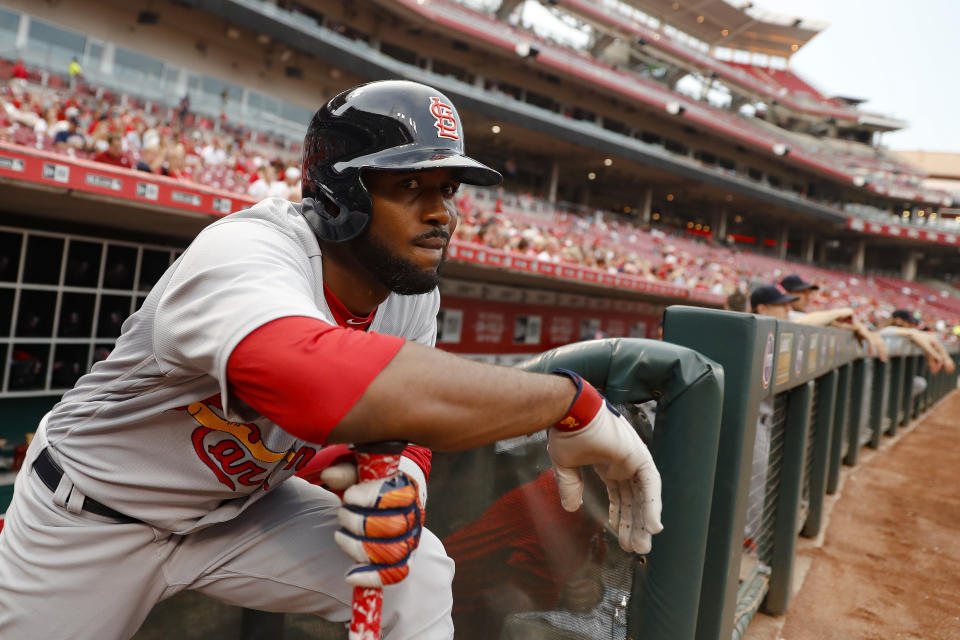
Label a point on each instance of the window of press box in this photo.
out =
(69, 363)
(6, 312)
(152, 265)
(101, 352)
(76, 315)
(28, 367)
(10, 244)
(113, 311)
(35, 313)
(121, 264)
(44, 255)
(83, 264)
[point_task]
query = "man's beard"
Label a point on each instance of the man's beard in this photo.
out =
(394, 272)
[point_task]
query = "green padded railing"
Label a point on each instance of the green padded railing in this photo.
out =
(825, 400)
(665, 589)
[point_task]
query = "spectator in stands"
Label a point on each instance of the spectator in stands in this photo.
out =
(74, 70)
(260, 188)
(113, 154)
(291, 176)
(152, 159)
(278, 187)
(184, 109)
(19, 71)
(70, 138)
(213, 153)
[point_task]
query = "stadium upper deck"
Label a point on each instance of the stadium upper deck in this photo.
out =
(572, 127)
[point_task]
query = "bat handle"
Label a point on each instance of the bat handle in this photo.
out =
(374, 461)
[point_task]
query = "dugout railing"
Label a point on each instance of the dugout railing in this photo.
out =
(802, 402)
(527, 569)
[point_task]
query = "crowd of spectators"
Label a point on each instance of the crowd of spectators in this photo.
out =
(174, 142)
(615, 244)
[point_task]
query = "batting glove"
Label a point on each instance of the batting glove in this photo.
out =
(382, 521)
(594, 433)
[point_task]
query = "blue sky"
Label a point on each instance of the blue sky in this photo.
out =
(902, 56)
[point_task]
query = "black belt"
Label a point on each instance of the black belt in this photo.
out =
(50, 472)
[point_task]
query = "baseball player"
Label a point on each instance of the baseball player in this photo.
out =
(284, 328)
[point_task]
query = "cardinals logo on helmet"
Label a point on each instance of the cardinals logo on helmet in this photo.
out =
(446, 121)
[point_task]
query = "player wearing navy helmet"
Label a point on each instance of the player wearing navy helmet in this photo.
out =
(281, 331)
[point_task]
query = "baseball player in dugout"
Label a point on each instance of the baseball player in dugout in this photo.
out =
(200, 455)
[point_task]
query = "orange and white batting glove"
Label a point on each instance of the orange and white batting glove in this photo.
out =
(594, 433)
(381, 523)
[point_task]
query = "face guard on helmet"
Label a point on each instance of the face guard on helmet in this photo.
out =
(388, 125)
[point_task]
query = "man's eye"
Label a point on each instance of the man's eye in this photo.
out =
(410, 183)
(449, 189)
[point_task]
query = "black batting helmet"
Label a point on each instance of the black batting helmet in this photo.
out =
(386, 125)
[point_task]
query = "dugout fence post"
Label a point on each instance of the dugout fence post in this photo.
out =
(878, 399)
(858, 386)
(823, 436)
(896, 393)
(840, 416)
(788, 498)
(741, 343)
(910, 370)
(916, 398)
(688, 388)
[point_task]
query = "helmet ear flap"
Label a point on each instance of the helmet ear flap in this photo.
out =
(344, 226)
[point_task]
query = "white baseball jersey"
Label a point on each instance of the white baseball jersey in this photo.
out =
(152, 430)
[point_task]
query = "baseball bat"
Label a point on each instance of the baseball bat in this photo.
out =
(374, 461)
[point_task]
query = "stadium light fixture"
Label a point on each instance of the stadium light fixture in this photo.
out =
(591, 176)
(674, 108)
(608, 162)
(495, 128)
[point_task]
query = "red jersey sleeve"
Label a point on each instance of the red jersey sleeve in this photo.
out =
(305, 374)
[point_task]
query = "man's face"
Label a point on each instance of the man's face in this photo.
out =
(803, 299)
(413, 217)
(779, 311)
(116, 146)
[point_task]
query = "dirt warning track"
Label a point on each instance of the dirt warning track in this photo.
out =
(887, 565)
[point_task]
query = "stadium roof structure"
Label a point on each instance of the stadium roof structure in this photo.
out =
(744, 27)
